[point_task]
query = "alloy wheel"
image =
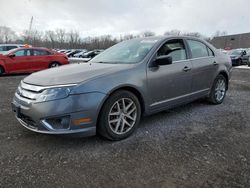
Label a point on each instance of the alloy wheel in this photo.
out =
(220, 90)
(122, 116)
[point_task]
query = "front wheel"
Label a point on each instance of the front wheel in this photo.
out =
(119, 116)
(239, 62)
(219, 89)
(1, 70)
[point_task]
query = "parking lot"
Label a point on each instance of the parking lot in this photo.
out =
(196, 145)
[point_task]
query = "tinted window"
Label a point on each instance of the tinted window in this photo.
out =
(10, 47)
(40, 52)
(198, 49)
(175, 49)
(22, 53)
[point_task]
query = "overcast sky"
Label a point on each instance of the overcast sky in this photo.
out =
(115, 17)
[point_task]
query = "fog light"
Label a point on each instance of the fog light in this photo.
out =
(58, 123)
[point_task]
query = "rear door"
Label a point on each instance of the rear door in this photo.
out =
(170, 84)
(20, 62)
(40, 59)
(204, 66)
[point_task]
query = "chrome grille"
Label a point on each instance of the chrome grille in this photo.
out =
(30, 92)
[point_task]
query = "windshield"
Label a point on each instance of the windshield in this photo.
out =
(235, 52)
(127, 52)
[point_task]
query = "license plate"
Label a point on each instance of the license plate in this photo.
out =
(16, 109)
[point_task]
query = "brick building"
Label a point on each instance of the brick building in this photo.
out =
(232, 41)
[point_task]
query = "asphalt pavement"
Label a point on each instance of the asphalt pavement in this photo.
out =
(195, 145)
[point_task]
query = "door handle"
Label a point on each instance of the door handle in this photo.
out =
(186, 68)
(215, 63)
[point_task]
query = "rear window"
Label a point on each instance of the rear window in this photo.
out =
(198, 49)
(7, 48)
(41, 52)
(10, 47)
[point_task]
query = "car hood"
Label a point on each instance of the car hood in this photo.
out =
(73, 74)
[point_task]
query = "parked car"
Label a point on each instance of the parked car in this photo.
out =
(61, 51)
(25, 60)
(4, 48)
(239, 56)
(73, 52)
(80, 54)
(89, 55)
(110, 94)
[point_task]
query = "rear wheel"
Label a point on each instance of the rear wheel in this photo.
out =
(119, 116)
(54, 64)
(219, 89)
(1, 70)
(239, 62)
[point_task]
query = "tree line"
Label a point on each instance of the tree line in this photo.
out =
(62, 39)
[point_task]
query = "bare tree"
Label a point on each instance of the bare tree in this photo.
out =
(173, 32)
(61, 37)
(51, 36)
(148, 34)
(74, 39)
(219, 33)
(6, 34)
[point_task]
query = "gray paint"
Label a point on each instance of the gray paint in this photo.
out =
(160, 87)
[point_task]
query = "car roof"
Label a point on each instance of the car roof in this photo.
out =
(11, 44)
(33, 48)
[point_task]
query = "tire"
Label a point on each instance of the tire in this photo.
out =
(116, 122)
(1, 70)
(54, 64)
(218, 91)
(239, 62)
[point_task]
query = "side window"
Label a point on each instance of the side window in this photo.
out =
(40, 52)
(174, 48)
(198, 49)
(20, 53)
(210, 52)
(10, 47)
(2, 48)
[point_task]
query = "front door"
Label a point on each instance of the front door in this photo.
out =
(20, 62)
(170, 84)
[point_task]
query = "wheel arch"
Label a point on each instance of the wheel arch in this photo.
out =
(55, 62)
(3, 67)
(132, 89)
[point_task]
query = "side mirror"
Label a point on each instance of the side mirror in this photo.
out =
(11, 55)
(164, 60)
(244, 53)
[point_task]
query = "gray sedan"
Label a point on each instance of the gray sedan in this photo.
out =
(109, 94)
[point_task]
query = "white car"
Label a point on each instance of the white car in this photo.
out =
(4, 48)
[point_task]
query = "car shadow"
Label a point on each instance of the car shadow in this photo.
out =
(15, 75)
(76, 141)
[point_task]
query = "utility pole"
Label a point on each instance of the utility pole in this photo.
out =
(30, 28)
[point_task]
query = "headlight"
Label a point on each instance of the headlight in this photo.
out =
(54, 94)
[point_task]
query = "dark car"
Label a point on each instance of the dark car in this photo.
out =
(91, 54)
(239, 57)
(73, 52)
(109, 94)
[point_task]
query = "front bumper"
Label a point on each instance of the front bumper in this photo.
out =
(34, 116)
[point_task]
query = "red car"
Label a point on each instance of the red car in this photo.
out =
(27, 60)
